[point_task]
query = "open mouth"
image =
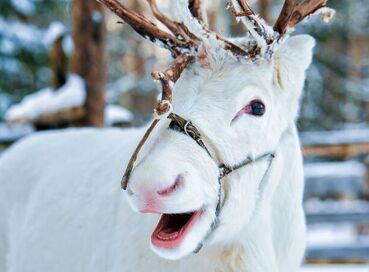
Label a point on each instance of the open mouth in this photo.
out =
(173, 228)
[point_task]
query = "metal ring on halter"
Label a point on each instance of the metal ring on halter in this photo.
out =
(158, 116)
(185, 127)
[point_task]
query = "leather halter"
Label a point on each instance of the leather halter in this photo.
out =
(182, 125)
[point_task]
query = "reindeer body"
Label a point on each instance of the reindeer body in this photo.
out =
(66, 212)
(204, 171)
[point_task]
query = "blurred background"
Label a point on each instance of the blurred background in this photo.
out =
(70, 63)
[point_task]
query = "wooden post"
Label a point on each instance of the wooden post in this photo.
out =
(89, 60)
(58, 63)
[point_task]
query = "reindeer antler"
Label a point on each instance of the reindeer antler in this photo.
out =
(293, 14)
(186, 36)
(284, 17)
(258, 29)
(196, 11)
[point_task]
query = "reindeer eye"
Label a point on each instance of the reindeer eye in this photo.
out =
(257, 108)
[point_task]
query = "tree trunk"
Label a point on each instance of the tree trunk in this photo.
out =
(89, 60)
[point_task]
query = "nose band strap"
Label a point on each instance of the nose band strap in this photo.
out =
(185, 126)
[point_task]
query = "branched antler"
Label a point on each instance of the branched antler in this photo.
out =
(178, 29)
(256, 27)
(146, 28)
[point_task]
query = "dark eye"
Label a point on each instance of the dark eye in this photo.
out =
(257, 108)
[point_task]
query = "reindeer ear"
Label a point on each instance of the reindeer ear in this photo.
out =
(291, 61)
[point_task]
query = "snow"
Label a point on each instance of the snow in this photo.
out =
(27, 7)
(11, 66)
(326, 234)
(68, 45)
(11, 133)
(56, 30)
(72, 94)
(117, 114)
(345, 136)
(334, 178)
(97, 17)
(15, 35)
(120, 86)
(335, 169)
(336, 211)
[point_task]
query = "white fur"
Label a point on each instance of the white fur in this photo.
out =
(61, 207)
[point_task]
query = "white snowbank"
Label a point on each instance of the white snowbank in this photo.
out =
(72, 94)
(117, 114)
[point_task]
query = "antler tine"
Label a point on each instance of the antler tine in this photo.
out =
(305, 9)
(178, 29)
(171, 74)
(254, 25)
(195, 8)
(145, 27)
(245, 8)
(284, 17)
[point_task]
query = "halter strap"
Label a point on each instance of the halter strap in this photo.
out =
(180, 124)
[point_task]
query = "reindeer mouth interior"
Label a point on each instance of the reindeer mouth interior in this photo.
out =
(173, 228)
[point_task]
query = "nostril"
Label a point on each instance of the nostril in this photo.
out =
(178, 182)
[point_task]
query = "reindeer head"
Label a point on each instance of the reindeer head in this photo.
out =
(228, 103)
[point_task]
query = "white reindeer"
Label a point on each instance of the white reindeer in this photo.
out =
(222, 168)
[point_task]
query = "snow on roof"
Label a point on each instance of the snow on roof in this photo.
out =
(117, 114)
(72, 94)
